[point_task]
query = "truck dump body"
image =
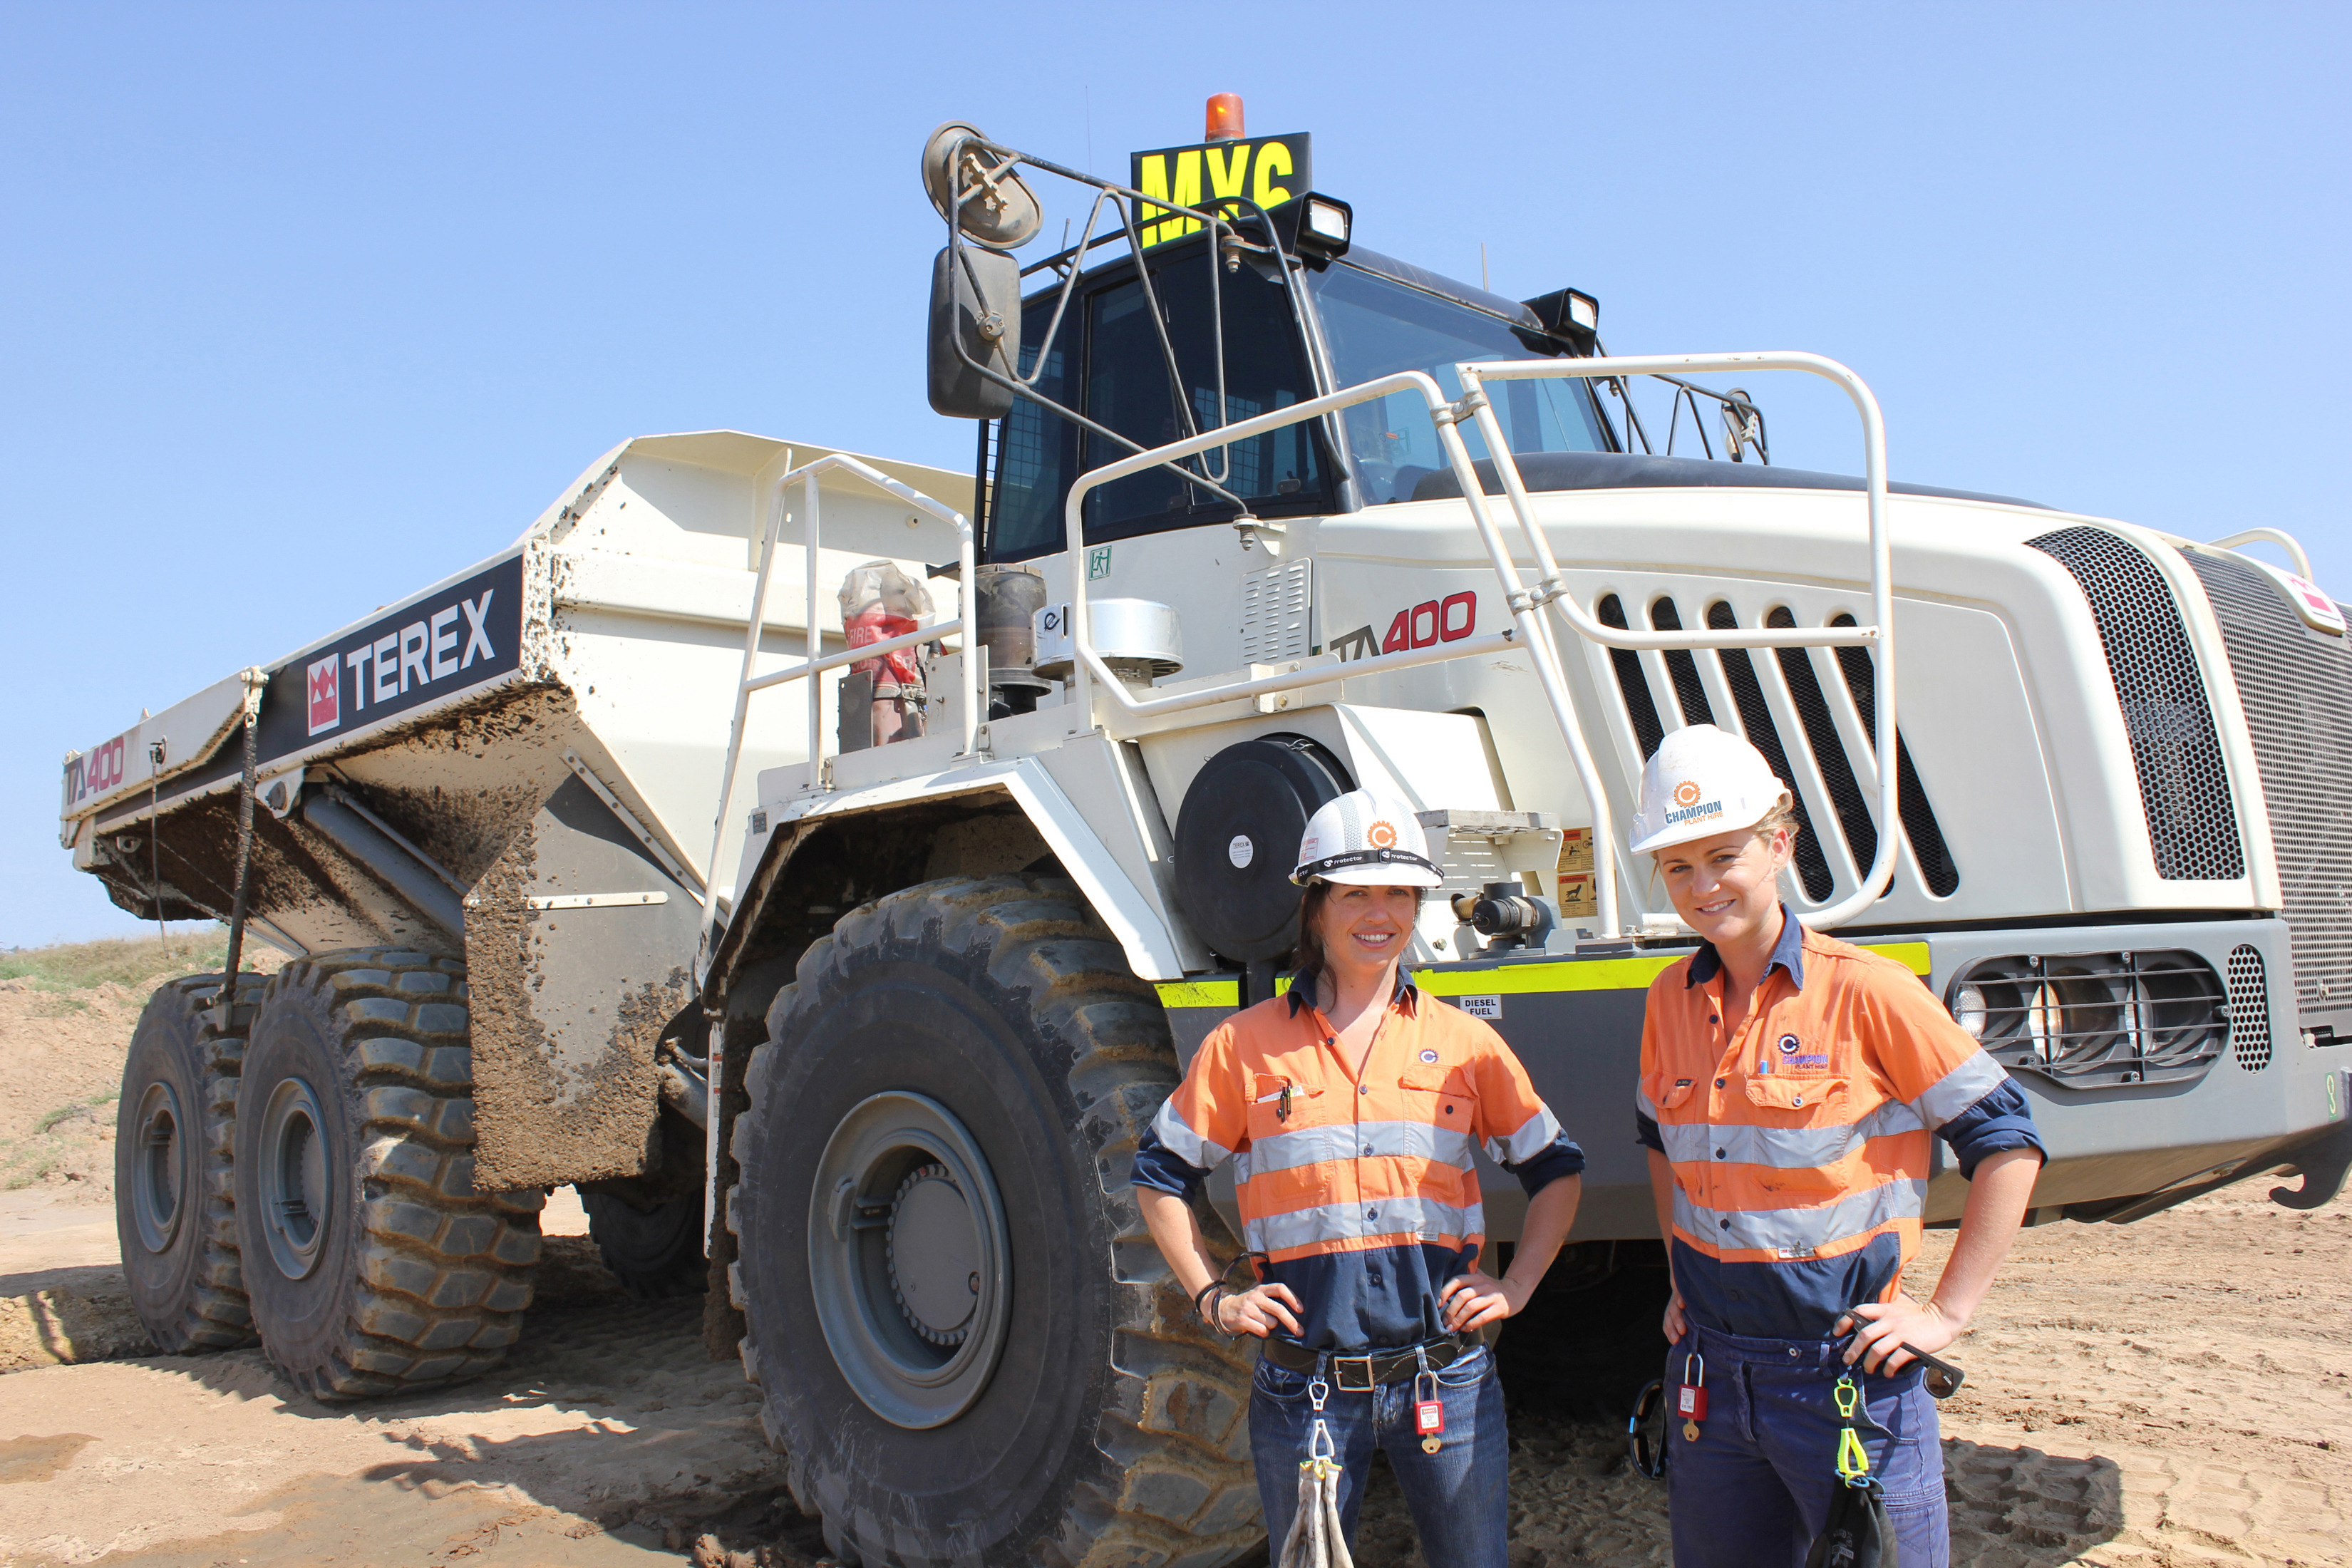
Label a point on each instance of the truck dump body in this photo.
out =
(517, 764)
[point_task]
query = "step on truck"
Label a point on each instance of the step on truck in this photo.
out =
(828, 863)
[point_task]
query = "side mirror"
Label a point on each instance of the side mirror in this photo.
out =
(975, 317)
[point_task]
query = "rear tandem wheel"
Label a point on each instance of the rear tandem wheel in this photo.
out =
(174, 1211)
(373, 1264)
(935, 1191)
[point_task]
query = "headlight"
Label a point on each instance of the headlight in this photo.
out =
(2095, 1018)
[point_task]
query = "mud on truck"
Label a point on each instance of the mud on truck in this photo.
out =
(1258, 516)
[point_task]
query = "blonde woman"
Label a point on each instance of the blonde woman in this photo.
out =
(1789, 1086)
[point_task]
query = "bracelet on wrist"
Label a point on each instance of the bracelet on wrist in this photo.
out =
(1201, 1296)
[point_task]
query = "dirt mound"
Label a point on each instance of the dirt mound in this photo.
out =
(66, 1017)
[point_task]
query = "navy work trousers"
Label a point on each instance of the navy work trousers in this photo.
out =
(1754, 1488)
(1457, 1495)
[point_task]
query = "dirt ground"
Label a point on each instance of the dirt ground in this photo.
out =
(2173, 1393)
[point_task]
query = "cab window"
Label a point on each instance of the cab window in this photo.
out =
(1125, 387)
(1376, 326)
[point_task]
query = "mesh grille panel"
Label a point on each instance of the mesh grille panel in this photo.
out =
(1756, 724)
(1630, 682)
(2250, 1009)
(1829, 752)
(2295, 686)
(1689, 695)
(2192, 827)
(1919, 824)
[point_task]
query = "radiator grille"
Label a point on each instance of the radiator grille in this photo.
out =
(1690, 695)
(1756, 724)
(1919, 824)
(2250, 1009)
(2295, 686)
(1632, 684)
(1829, 752)
(2184, 786)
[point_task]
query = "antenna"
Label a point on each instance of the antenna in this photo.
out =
(1485, 281)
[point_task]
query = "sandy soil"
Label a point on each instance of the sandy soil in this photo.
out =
(2173, 1393)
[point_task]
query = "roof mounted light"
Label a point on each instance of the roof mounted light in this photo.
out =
(1225, 118)
(1315, 226)
(1571, 314)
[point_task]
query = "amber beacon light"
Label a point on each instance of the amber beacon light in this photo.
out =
(1224, 117)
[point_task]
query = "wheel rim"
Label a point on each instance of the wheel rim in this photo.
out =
(908, 1260)
(158, 1177)
(294, 1185)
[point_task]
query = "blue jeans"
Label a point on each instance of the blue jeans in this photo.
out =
(1457, 1495)
(1755, 1487)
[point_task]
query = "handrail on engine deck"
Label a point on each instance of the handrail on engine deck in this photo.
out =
(1090, 674)
(818, 661)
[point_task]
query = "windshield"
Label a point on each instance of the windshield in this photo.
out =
(1376, 327)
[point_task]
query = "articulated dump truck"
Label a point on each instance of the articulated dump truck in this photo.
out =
(827, 865)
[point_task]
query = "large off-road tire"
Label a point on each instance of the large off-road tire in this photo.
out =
(654, 1253)
(373, 1264)
(174, 1206)
(967, 1346)
(1590, 1338)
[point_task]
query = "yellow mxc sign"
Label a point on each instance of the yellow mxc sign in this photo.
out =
(1267, 170)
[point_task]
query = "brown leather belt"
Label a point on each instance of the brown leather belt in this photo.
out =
(1374, 1369)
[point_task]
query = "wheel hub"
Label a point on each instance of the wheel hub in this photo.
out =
(294, 1179)
(908, 1260)
(157, 1177)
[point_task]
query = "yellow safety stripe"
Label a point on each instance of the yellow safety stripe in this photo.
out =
(1515, 979)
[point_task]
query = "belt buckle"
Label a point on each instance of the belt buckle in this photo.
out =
(1339, 1364)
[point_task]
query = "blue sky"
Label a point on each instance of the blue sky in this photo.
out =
(310, 306)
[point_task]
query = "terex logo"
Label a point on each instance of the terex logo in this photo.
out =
(417, 654)
(326, 694)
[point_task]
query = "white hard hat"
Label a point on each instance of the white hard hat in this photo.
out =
(1701, 782)
(1366, 839)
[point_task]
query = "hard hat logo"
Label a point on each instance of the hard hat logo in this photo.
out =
(1686, 793)
(1383, 835)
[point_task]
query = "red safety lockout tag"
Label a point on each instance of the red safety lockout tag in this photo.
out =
(1428, 1413)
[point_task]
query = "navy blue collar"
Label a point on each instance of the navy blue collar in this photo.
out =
(1787, 953)
(1302, 992)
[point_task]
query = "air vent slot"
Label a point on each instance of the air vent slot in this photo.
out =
(2250, 1008)
(2295, 686)
(1919, 824)
(1756, 723)
(1632, 684)
(1829, 752)
(2184, 785)
(1681, 667)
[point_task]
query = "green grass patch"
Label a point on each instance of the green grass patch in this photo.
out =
(133, 963)
(75, 1107)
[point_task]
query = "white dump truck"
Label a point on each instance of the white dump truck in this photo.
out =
(838, 949)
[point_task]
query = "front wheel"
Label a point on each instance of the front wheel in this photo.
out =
(966, 1343)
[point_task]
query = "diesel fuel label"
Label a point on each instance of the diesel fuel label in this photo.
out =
(1267, 170)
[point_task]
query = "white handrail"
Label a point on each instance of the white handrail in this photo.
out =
(1090, 674)
(1879, 636)
(817, 662)
(2278, 536)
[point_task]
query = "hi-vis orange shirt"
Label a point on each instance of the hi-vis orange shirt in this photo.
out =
(1800, 1145)
(1360, 1195)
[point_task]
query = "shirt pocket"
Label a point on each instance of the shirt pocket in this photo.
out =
(1270, 1112)
(1796, 1097)
(1668, 1093)
(1441, 1096)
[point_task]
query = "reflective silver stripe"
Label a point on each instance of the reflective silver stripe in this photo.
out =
(1799, 1233)
(1183, 1143)
(1535, 1134)
(1959, 1089)
(1785, 1148)
(1644, 1104)
(1400, 1139)
(1406, 1218)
